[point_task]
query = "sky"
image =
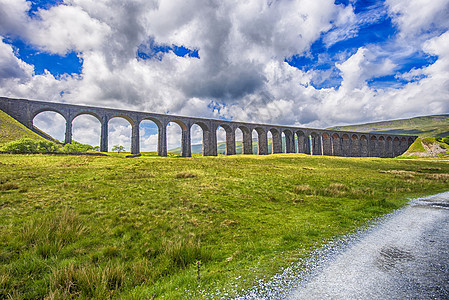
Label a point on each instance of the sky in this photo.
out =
(311, 63)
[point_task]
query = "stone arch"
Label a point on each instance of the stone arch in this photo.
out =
(153, 128)
(289, 146)
(404, 145)
(355, 146)
(116, 131)
(247, 140)
(262, 142)
(336, 144)
(185, 136)
(123, 116)
(389, 147)
(229, 145)
(47, 109)
(90, 124)
(315, 143)
(396, 146)
(207, 145)
(50, 122)
(326, 143)
(381, 150)
(364, 147)
(303, 142)
(270, 141)
(276, 141)
(345, 145)
(86, 112)
(373, 146)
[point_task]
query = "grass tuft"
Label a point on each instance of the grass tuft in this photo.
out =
(79, 281)
(9, 186)
(50, 233)
(183, 175)
(302, 189)
(183, 252)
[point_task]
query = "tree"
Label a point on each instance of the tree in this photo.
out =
(118, 148)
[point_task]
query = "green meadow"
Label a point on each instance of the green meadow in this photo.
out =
(183, 228)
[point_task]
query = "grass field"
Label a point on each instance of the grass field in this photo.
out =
(180, 228)
(427, 126)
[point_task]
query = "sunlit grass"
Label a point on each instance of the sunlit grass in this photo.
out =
(116, 227)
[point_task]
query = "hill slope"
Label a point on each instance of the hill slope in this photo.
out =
(11, 130)
(428, 126)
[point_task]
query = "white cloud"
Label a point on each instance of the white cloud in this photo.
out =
(11, 67)
(13, 17)
(64, 28)
(241, 73)
(419, 16)
(363, 66)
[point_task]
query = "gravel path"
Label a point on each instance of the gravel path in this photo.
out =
(405, 256)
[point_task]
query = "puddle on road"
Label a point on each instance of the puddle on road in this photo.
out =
(390, 257)
(432, 202)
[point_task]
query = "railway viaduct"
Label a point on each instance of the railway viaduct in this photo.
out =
(307, 140)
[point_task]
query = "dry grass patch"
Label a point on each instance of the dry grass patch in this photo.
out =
(302, 189)
(9, 186)
(337, 188)
(183, 175)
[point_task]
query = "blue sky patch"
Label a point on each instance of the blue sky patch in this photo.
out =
(374, 30)
(152, 50)
(56, 64)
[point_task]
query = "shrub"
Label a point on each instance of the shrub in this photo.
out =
(76, 147)
(27, 145)
(47, 147)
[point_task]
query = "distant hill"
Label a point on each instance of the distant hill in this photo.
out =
(428, 126)
(11, 130)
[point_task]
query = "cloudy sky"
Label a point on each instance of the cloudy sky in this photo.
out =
(314, 63)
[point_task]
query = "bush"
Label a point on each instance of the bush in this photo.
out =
(76, 147)
(27, 145)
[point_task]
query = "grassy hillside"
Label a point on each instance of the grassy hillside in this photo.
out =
(428, 147)
(172, 228)
(429, 126)
(11, 130)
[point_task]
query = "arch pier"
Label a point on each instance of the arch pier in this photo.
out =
(284, 138)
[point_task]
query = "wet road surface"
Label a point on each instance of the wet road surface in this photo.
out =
(404, 257)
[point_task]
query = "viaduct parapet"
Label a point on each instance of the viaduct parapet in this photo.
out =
(307, 140)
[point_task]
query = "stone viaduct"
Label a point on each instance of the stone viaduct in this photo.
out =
(307, 140)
